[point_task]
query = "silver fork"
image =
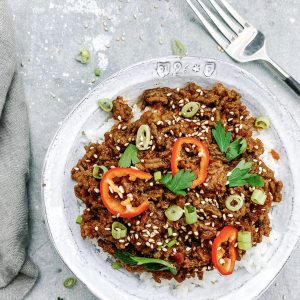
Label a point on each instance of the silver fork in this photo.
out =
(239, 39)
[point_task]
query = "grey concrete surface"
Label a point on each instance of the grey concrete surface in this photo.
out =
(119, 33)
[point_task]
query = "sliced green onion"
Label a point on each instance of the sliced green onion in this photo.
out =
(262, 122)
(234, 202)
(69, 282)
(258, 197)
(143, 137)
(97, 72)
(105, 104)
(190, 109)
(96, 170)
(178, 48)
(244, 246)
(190, 214)
(174, 212)
(157, 176)
(244, 240)
(170, 231)
(79, 219)
(116, 265)
(243, 146)
(118, 230)
(83, 56)
(171, 243)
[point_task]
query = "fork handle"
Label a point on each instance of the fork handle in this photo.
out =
(288, 79)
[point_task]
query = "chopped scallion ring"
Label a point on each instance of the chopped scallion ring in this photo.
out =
(234, 202)
(170, 231)
(143, 137)
(118, 230)
(97, 72)
(105, 104)
(178, 48)
(79, 219)
(96, 170)
(157, 176)
(258, 197)
(190, 214)
(244, 240)
(83, 56)
(174, 212)
(190, 109)
(69, 282)
(116, 265)
(171, 243)
(262, 122)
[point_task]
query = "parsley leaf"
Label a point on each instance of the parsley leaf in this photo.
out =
(222, 138)
(236, 148)
(152, 264)
(129, 157)
(181, 181)
(240, 176)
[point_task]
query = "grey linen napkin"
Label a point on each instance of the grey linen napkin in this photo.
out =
(17, 273)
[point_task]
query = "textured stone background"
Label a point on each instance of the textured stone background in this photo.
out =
(120, 33)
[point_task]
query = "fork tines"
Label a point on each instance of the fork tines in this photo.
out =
(228, 24)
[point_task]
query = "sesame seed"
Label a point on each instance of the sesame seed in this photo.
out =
(96, 191)
(188, 248)
(169, 94)
(119, 118)
(96, 228)
(136, 236)
(151, 240)
(148, 225)
(138, 222)
(164, 249)
(230, 215)
(138, 243)
(118, 148)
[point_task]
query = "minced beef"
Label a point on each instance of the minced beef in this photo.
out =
(147, 232)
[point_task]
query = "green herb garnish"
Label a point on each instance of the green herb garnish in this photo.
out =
(181, 181)
(236, 148)
(116, 265)
(79, 219)
(152, 264)
(69, 282)
(83, 56)
(222, 138)
(178, 48)
(240, 176)
(97, 72)
(129, 157)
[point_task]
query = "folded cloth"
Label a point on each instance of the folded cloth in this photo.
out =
(17, 273)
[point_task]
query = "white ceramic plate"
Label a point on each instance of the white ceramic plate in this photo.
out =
(92, 266)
